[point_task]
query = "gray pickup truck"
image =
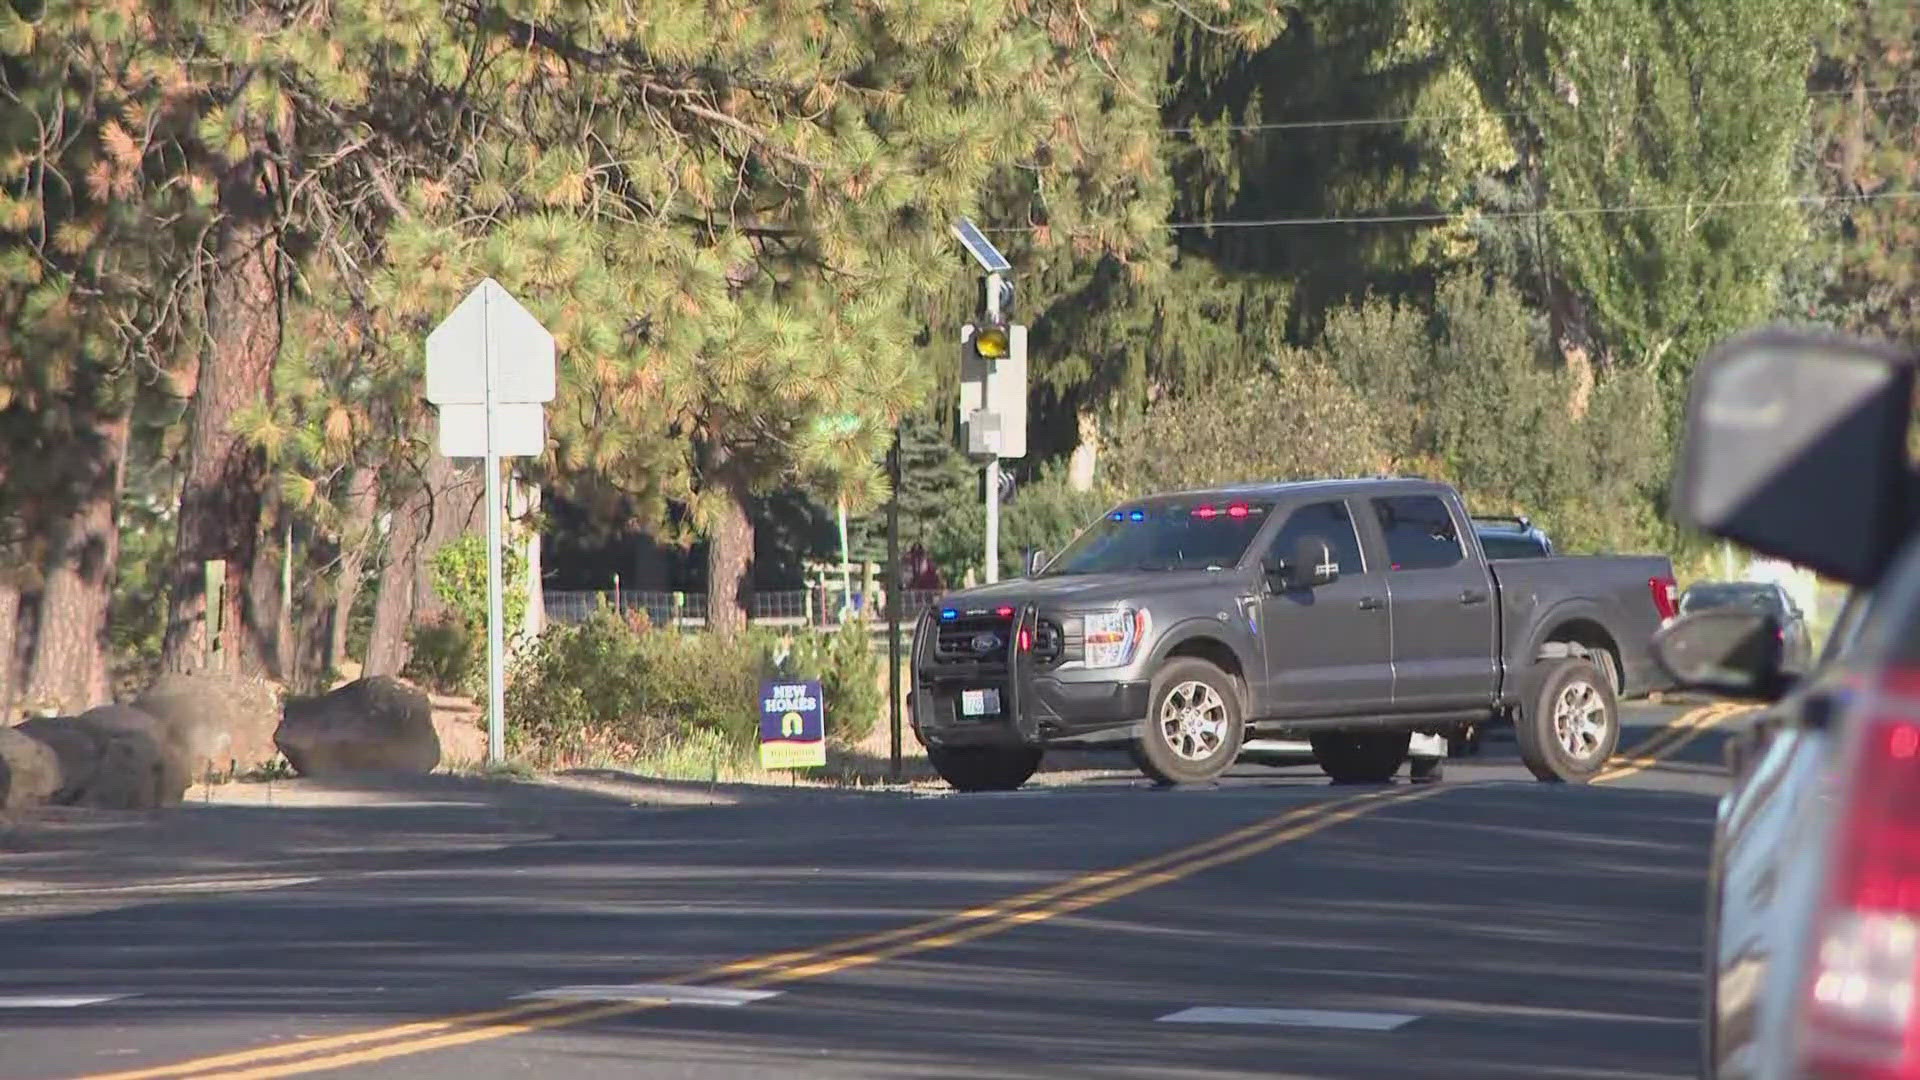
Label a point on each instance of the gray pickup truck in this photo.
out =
(1353, 613)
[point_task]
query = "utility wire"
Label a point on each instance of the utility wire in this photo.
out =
(1460, 118)
(1573, 211)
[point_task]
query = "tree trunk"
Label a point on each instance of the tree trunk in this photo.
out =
(729, 552)
(69, 666)
(268, 624)
(9, 646)
(387, 650)
(356, 541)
(459, 507)
(220, 496)
(445, 506)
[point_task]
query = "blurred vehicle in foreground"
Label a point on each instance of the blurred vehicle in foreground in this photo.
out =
(1795, 446)
(1796, 642)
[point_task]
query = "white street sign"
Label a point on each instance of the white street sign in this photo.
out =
(519, 430)
(489, 324)
(490, 370)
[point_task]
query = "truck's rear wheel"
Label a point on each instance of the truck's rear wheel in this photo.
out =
(1360, 757)
(984, 768)
(1193, 729)
(1570, 725)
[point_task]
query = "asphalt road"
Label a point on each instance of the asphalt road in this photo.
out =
(1487, 926)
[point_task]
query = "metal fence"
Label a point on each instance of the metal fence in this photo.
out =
(817, 607)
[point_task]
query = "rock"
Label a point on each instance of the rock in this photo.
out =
(29, 770)
(369, 725)
(113, 758)
(461, 729)
(216, 724)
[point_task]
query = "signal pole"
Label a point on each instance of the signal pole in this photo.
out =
(993, 382)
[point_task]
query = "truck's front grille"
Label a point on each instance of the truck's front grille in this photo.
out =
(980, 639)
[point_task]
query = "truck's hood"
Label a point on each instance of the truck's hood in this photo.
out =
(1089, 590)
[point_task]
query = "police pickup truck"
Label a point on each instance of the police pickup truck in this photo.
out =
(1351, 613)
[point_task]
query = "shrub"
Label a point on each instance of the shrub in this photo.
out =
(447, 656)
(849, 672)
(613, 688)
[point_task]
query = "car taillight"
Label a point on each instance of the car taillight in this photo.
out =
(1863, 976)
(1666, 596)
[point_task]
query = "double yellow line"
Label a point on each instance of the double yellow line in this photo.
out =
(380, 1044)
(1663, 744)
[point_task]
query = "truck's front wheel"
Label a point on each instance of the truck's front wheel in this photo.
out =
(1193, 730)
(984, 768)
(1570, 725)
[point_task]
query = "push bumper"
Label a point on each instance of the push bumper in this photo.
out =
(1037, 706)
(1039, 711)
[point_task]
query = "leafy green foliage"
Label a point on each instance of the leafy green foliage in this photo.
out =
(848, 668)
(1685, 121)
(1866, 121)
(611, 688)
(1465, 391)
(450, 653)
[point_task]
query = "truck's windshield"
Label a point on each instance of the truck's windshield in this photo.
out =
(1186, 535)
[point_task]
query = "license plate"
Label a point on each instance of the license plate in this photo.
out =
(980, 702)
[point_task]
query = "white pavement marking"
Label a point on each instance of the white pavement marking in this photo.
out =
(1319, 1018)
(197, 885)
(55, 1001)
(659, 993)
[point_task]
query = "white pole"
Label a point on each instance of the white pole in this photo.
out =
(993, 463)
(496, 616)
(846, 562)
(993, 520)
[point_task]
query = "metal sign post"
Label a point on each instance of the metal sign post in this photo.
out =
(490, 369)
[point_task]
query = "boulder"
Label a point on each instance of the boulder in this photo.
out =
(369, 725)
(113, 758)
(215, 724)
(29, 770)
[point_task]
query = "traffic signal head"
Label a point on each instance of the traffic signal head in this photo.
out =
(991, 343)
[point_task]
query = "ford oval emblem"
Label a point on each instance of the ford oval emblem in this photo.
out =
(985, 643)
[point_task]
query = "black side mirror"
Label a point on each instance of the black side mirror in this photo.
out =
(1037, 561)
(1795, 446)
(1725, 651)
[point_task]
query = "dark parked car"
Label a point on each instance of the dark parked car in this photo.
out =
(1353, 613)
(1795, 447)
(1512, 538)
(1796, 641)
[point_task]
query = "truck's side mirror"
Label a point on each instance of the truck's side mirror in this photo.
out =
(1725, 651)
(1037, 561)
(1795, 446)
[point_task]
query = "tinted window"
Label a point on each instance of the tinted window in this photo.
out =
(1419, 531)
(1197, 535)
(1733, 594)
(1328, 521)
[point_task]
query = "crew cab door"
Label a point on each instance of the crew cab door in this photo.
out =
(1326, 647)
(1444, 629)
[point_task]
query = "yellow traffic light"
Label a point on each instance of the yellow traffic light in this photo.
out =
(991, 343)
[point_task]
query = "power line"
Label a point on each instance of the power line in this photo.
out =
(1574, 211)
(1459, 118)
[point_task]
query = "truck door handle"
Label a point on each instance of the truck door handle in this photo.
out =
(1472, 596)
(1370, 603)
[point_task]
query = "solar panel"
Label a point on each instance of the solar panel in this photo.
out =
(981, 248)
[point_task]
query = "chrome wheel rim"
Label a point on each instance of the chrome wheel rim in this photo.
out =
(1193, 721)
(1580, 720)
